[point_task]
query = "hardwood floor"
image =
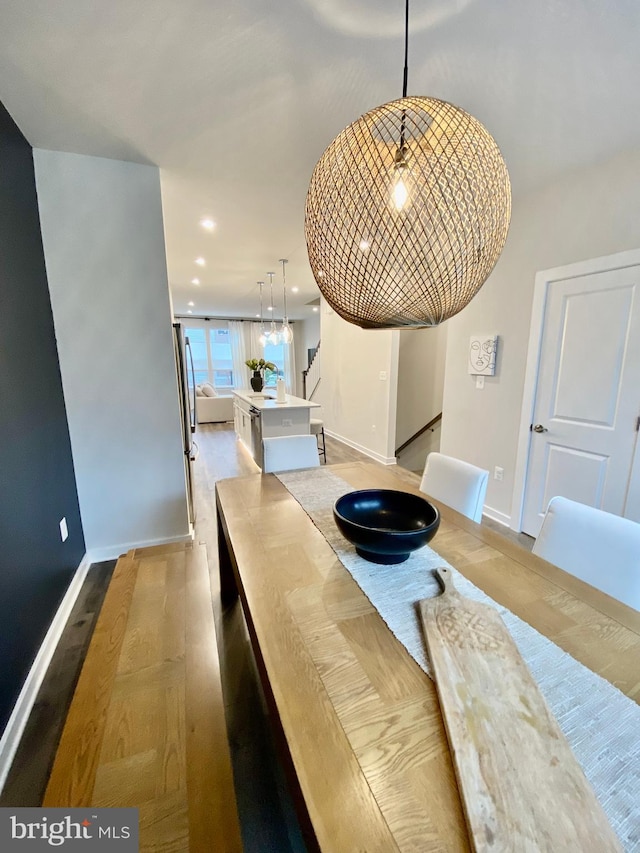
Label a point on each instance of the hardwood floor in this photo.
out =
(27, 779)
(522, 539)
(143, 756)
(146, 727)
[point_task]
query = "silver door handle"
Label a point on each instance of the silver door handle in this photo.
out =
(539, 428)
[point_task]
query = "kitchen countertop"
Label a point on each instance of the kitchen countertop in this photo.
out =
(266, 400)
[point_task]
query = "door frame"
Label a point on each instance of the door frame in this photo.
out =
(544, 280)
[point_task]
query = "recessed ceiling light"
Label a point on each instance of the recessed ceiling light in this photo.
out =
(189, 311)
(207, 224)
(200, 261)
(195, 281)
(257, 315)
(270, 308)
(295, 289)
(315, 307)
(191, 304)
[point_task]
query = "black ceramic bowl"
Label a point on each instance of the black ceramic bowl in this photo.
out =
(385, 525)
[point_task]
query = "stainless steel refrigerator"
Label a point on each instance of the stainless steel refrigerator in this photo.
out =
(187, 394)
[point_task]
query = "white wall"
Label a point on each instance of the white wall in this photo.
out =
(420, 378)
(586, 214)
(104, 250)
(358, 407)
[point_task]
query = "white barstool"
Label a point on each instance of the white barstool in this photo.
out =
(316, 427)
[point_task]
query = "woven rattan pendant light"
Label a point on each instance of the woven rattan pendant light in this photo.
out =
(407, 213)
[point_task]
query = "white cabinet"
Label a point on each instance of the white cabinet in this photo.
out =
(242, 423)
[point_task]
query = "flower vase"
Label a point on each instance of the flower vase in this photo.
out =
(257, 382)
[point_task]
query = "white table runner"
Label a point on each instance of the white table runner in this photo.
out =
(601, 724)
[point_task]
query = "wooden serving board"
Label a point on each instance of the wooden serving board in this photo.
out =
(522, 788)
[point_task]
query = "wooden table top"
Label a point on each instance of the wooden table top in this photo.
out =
(361, 720)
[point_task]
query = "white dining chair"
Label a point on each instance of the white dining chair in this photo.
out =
(596, 546)
(457, 484)
(289, 453)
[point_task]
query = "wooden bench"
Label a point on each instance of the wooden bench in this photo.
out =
(146, 727)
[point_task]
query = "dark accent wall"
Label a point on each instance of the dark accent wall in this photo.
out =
(37, 482)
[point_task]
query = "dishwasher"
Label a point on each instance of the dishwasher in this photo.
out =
(256, 435)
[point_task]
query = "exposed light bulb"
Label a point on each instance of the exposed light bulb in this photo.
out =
(400, 194)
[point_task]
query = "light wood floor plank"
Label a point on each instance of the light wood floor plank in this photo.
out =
(73, 776)
(148, 729)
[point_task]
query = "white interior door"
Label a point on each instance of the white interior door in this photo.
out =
(587, 400)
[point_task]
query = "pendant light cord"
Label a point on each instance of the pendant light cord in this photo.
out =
(400, 155)
(270, 274)
(283, 261)
(406, 50)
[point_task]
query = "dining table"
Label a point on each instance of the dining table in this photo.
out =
(357, 720)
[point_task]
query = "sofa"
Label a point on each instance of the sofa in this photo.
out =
(213, 409)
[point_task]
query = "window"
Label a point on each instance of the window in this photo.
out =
(274, 353)
(221, 360)
(199, 351)
(212, 359)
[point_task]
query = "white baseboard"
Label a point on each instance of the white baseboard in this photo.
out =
(496, 515)
(112, 552)
(21, 710)
(385, 460)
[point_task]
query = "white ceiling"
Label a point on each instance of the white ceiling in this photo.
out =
(237, 100)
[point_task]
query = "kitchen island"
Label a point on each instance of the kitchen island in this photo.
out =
(258, 415)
